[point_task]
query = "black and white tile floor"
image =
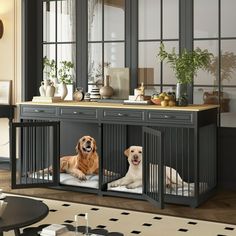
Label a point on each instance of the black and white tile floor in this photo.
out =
(131, 223)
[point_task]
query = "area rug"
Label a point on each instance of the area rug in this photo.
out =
(129, 222)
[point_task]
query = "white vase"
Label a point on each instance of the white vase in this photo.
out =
(42, 91)
(63, 90)
(50, 91)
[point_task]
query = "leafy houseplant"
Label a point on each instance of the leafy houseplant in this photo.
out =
(185, 66)
(49, 68)
(65, 72)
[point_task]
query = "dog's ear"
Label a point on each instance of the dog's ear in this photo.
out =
(126, 152)
(77, 147)
(95, 146)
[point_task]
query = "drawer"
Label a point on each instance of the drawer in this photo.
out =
(38, 111)
(123, 115)
(81, 113)
(170, 117)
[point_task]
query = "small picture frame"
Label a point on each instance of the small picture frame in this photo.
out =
(5, 92)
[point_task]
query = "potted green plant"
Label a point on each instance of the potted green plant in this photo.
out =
(185, 66)
(65, 77)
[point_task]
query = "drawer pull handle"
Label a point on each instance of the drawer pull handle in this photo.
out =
(121, 114)
(75, 112)
(169, 117)
(38, 111)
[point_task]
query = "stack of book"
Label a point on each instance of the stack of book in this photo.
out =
(54, 230)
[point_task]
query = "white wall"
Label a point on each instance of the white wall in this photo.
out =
(10, 58)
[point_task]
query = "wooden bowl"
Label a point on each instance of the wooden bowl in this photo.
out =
(156, 101)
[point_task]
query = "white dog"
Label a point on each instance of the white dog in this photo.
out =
(133, 177)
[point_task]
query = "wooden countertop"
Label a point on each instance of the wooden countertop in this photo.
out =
(121, 106)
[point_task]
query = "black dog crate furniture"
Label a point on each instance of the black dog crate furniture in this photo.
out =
(178, 156)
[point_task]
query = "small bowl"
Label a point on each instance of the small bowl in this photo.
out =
(156, 101)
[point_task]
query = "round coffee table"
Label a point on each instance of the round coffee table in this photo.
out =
(21, 212)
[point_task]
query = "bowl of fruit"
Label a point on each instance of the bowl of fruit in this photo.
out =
(164, 99)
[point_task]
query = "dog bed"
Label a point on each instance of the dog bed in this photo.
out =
(187, 191)
(91, 182)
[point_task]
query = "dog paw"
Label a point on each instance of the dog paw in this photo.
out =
(114, 184)
(132, 186)
(82, 177)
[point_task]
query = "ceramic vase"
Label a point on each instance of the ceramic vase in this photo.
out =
(50, 90)
(64, 91)
(42, 91)
(106, 91)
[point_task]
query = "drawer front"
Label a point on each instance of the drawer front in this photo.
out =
(38, 111)
(123, 115)
(170, 117)
(81, 113)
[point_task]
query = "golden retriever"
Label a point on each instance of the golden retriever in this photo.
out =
(85, 162)
(133, 177)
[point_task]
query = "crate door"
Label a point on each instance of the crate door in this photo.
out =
(153, 166)
(35, 154)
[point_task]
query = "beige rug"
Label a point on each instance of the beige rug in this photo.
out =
(131, 222)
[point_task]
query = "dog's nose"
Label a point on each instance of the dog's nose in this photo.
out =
(88, 142)
(135, 157)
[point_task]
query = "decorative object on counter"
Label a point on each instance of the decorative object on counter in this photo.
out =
(87, 97)
(63, 90)
(120, 82)
(106, 91)
(94, 94)
(46, 99)
(47, 88)
(185, 66)
(164, 99)
(138, 97)
(78, 95)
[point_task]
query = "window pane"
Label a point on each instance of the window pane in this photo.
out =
(170, 19)
(94, 20)
(95, 63)
(114, 54)
(228, 17)
(149, 19)
(66, 18)
(168, 73)
(49, 21)
(205, 95)
(205, 18)
(228, 107)
(49, 54)
(66, 52)
(209, 77)
(228, 62)
(148, 63)
(114, 19)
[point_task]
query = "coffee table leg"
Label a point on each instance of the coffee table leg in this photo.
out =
(17, 232)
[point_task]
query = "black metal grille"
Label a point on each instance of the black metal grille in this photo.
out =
(34, 151)
(114, 143)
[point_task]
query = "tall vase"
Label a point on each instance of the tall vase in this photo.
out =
(64, 91)
(106, 91)
(182, 94)
(50, 91)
